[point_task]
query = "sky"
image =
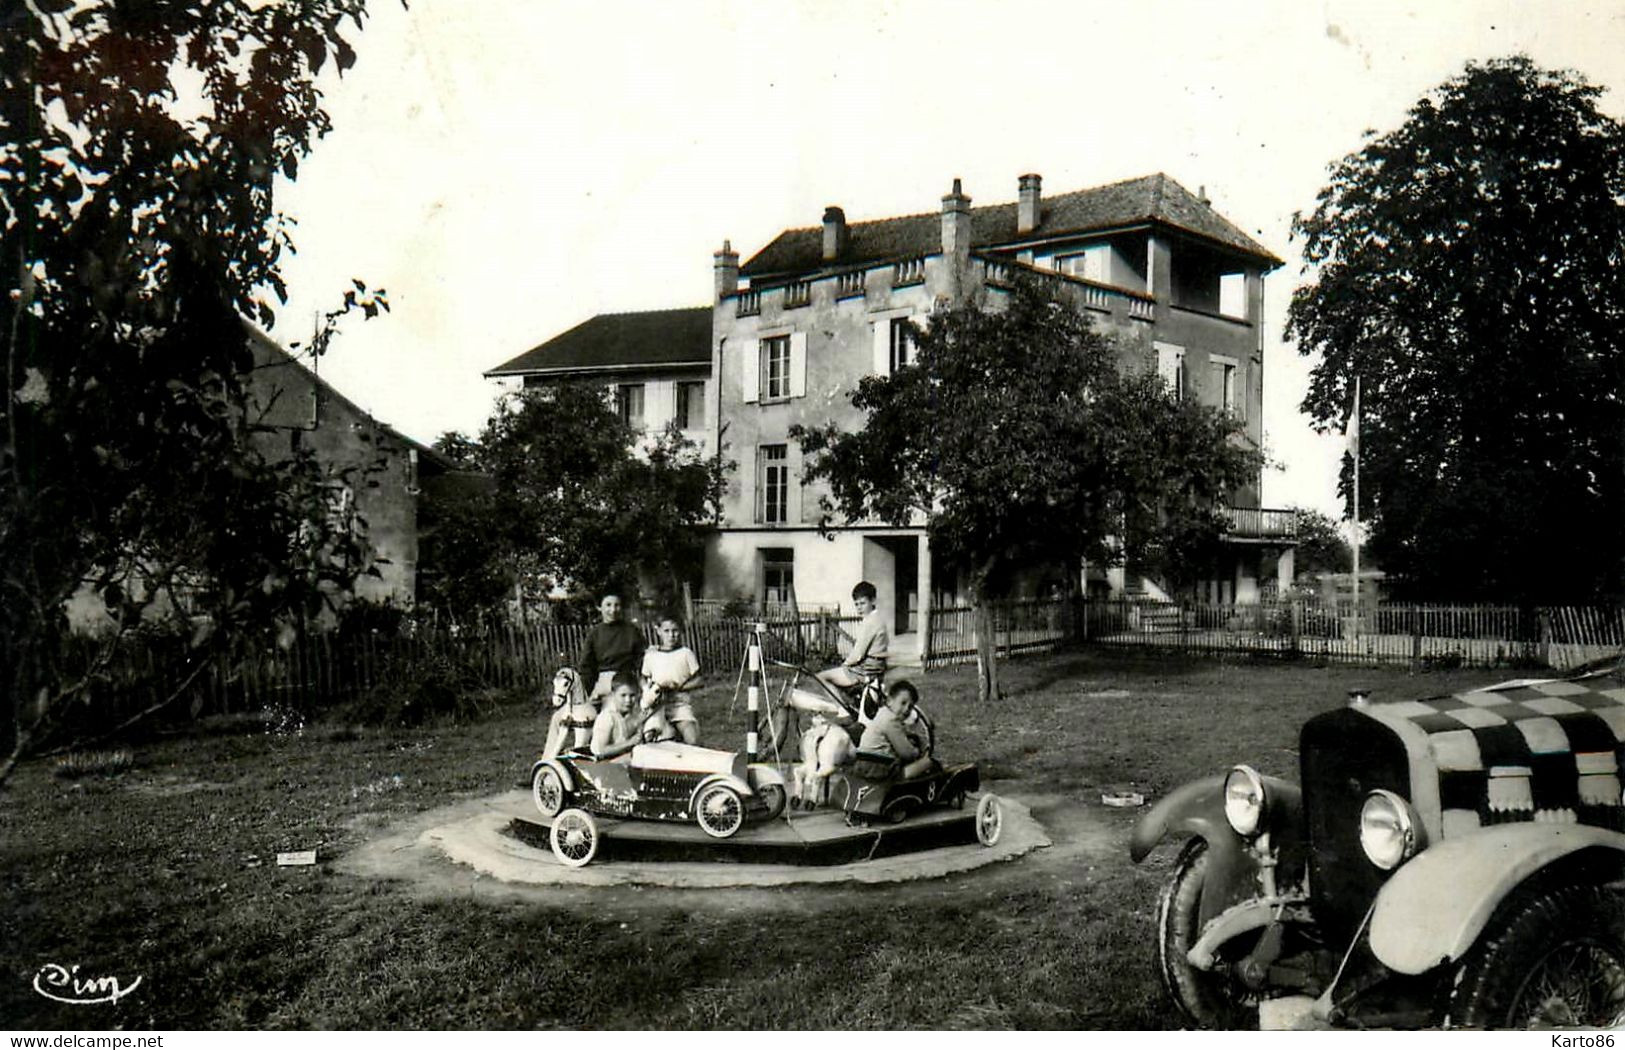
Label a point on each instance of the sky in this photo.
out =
(508, 168)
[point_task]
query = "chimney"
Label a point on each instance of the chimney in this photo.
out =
(1201, 195)
(834, 233)
(1028, 212)
(956, 239)
(725, 263)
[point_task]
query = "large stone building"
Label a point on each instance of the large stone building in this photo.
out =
(796, 327)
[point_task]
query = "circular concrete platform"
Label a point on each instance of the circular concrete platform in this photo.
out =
(479, 835)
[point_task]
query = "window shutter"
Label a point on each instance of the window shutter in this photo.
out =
(751, 361)
(882, 347)
(792, 484)
(798, 364)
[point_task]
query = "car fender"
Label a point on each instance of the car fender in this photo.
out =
(732, 781)
(566, 774)
(1196, 810)
(1434, 908)
(762, 775)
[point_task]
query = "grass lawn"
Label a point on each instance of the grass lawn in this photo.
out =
(167, 871)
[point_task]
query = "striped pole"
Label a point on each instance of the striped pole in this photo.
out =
(753, 695)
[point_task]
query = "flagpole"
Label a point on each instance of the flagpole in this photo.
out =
(1354, 448)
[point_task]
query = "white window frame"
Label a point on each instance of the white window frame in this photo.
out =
(773, 476)
(782, 561)
(684, 410)
(623, 404)
(775, 385)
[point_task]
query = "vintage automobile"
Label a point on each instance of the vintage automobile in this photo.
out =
(1454, 861)
(670, 780)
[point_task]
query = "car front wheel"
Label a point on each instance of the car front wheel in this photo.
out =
(1552, 960)
(1208, 999)
(719, 811)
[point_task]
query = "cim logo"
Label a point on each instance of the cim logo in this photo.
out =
(64, 985)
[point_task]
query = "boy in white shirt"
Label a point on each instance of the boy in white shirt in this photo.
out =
(669, 672)
(618, 728)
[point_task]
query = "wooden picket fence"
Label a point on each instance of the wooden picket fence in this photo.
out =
(1414, 635)
(1020, 628)
(321, 668)
(318, 669)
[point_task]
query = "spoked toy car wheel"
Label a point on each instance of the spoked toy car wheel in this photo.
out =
(719, 811)
(1552, 960)
(574, 838)
(989, 819)
(1207, 999)
(547, 790)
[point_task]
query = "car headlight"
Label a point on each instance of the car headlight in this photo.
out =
(1387, 833)
(1244, 800)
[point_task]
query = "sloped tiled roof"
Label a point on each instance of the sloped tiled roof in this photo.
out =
(1152, 198)
(651, 338)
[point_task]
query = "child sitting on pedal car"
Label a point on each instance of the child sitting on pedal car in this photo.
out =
(866, 663)
(893, 744)
(669, 672)
(619, 727)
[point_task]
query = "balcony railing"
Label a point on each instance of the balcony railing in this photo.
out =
(1261, 523)
(797, 293)
(909, 271)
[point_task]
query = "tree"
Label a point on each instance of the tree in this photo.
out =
(1018, 441)
(579, 505)
(1468, 270)
(136, 239)
(1321, 547)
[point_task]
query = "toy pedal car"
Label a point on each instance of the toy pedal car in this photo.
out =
(718, 790)
(867, 797)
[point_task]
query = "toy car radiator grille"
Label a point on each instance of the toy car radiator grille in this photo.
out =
(678, 786)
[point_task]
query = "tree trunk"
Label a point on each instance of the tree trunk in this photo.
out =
(987, 668)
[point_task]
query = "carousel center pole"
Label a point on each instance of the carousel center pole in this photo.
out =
(753, 695)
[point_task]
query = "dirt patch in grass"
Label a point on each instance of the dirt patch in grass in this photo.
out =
(138, 873)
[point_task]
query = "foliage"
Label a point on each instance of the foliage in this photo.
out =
(1321, 546)
(139, 230)
(463, 565)
(1019, 441)
(1470, 270)
(431, 684)
(578, 504)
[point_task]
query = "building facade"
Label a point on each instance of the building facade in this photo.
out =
(657, 363)
(795, 328)
(290, 407)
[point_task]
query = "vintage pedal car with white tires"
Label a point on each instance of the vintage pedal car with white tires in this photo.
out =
(1458, 861)
(671, 781)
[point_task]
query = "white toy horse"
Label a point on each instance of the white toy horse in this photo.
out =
(573, 714)
(824, 748)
